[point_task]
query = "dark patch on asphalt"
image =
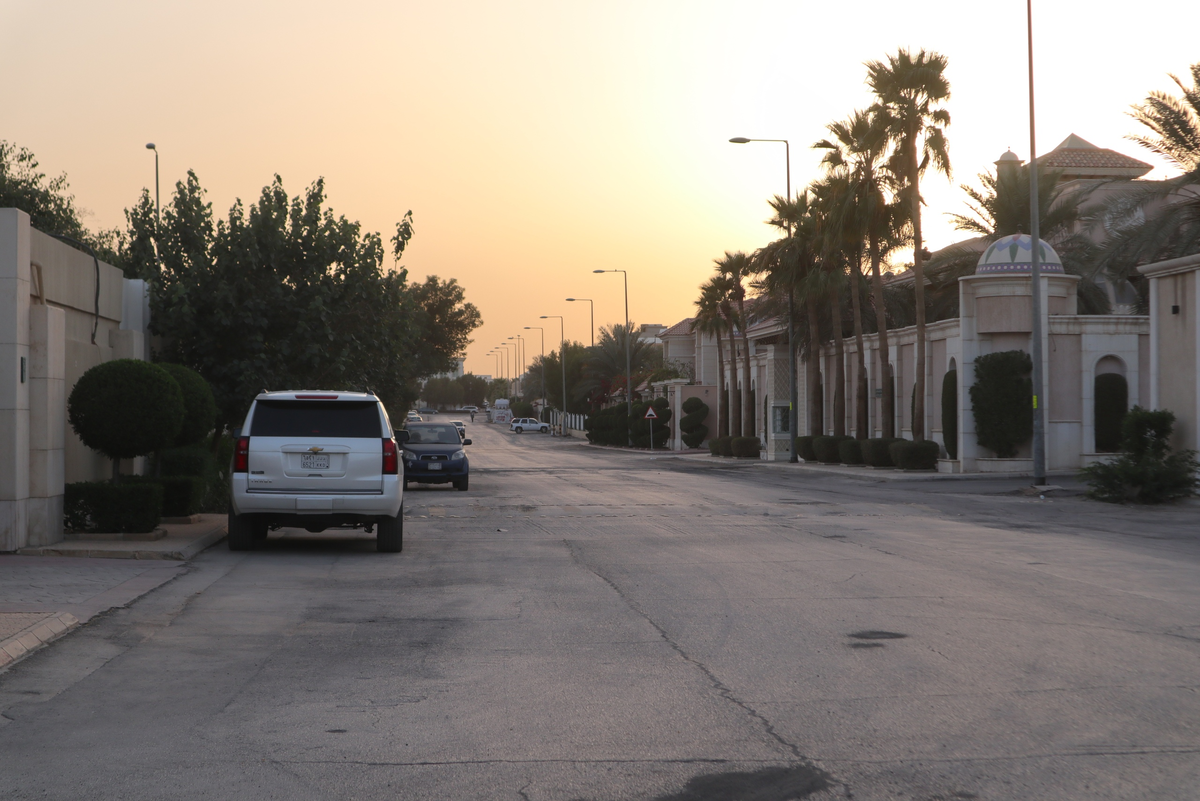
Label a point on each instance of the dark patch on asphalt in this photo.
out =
(766, 784)
(873, 634)
(833, 536)
(335, 731)
(866, 645)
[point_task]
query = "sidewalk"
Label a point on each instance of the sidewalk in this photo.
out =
(48, 591)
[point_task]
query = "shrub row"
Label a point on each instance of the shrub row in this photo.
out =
(826, 448)
(740, 447)
(94, 506)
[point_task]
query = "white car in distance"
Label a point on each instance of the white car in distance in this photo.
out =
(522, 424)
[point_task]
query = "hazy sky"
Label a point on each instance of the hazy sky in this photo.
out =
(537, 141)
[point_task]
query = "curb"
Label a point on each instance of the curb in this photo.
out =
(34, 636)
(93, 549)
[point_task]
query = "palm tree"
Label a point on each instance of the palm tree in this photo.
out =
(856, 155)
(1161, 222)
(711, 320)
(604, 366)
(909, 90)
(738, 267)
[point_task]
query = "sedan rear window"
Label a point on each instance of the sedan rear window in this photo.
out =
(344, 419)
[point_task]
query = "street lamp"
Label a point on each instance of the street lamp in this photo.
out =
(157, 205)
(1035, 270)
(592, 307)
(508, 355)
(542, 334)
(562, 359)
(521, 349)
(794, 402)
(628, 371)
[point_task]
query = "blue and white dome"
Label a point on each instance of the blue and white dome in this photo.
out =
(1014, 254)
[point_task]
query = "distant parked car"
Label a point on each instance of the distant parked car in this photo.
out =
(427, 410)
(461, 426)
(521, 424)
(413, 417)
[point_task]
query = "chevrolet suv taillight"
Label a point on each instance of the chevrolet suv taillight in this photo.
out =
(241, 455)
(391, 462)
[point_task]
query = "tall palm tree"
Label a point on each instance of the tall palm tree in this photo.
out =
(856, 154)
(909, 90)
(710, 320)
(739, 267)
(1161, 221)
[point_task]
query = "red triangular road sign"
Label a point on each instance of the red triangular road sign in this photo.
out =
(650, 415)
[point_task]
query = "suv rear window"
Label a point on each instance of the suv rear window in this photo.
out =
(344, 419)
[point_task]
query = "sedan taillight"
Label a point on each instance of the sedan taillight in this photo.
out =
(391, 461)
(241, 455)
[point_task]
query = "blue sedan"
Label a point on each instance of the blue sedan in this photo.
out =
(434, 455)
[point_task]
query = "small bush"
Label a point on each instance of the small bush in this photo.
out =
(714, 446)
(182, 495)
(691, 425)
(128, 507)
(1112, 403)
(126, 408)
(875, 451)
(826, 448)
(921, 455)
(1002, 401)
(850, 451)
(950, 413)
(804, 449)
(1148, 471)
(744, 447)
(725, 445)
(199, 406)
(191, 460)
(608, 426)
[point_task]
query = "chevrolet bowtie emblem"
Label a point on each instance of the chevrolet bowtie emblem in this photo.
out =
(315, 449)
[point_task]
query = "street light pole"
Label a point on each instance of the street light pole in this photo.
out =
(1039, 429)
(794, 401)
(591, 316)
(157, 204)
(542, 334)
(521, 350)
(628, 371)
(562, 359)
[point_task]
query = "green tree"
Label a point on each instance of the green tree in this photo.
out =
(474, 389)
(445, 320)
(604, 365)
(910, 90)
(577, 355)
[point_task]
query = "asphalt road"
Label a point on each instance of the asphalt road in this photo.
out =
(590, 624)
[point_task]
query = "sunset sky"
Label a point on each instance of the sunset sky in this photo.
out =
(538, 141)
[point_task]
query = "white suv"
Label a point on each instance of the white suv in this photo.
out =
(317, 460)
(520, 424)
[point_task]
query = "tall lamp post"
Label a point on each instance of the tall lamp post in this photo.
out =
(1035, 270)
(508, 356)
(562, 363)
(542, 334)
(157, 204)
(521, 350)
(591, 316)
(628, 371)
(794, 401)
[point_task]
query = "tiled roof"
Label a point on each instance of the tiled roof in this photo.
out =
(683, 328)
(1078, 158)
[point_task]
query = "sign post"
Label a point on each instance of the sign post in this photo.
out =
(651, 416)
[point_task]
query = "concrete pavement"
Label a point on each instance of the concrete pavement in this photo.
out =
(584, 625)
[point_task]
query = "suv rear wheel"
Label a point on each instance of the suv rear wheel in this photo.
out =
(240, 532)
(518, 429)
(389, 537)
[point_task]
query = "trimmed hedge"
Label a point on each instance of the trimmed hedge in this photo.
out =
(714, 446)
(608, 426)
(850, 451)
(691, 425)
(182, 495)
(744, 447)
(804, 449)
(1112, 404)
(191, 460)
(725, 445)
(662, 423)
(101, 507)
(910, 455)
(875, 451)
(199, 406)
(126, 408)
(950, 413)
(1001, 400)
(826, 448)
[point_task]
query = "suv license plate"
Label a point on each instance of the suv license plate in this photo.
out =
(435, 466)
(314, 461)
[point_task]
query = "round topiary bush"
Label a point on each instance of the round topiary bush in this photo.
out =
(725, 445)
(850, 451)
(875, 451)
(804, 448)
(1112, 403)
(745, 447)
(950, 413)
(909, 455)
(126, 408)
(826, 449)
(1001, 400)
(691, 425)
(199, 406)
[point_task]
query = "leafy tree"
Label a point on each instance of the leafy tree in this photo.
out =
(577, 355)
(199, 407)
(910, 90)
(445, 320)
(474, 389)
(604, 365)
(48, 202)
